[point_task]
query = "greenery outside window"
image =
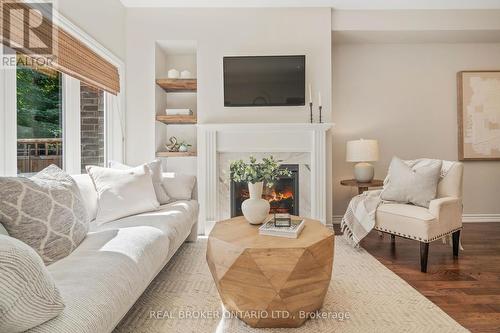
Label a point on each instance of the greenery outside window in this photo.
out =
(39, 119)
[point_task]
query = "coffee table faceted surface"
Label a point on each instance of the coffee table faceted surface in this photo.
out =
(270, 281)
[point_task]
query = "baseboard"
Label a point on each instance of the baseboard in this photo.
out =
(336, 219)
(466, 218)
(474, 218)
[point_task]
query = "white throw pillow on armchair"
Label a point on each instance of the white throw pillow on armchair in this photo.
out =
(122, 192)
(416, 185)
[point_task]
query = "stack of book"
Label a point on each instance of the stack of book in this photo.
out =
(269, 228)
(178, 112)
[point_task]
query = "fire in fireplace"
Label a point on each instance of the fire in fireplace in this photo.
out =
(283, 196)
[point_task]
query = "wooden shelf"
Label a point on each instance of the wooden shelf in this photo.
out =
(177, 119)
(175, 154)
(177, 85)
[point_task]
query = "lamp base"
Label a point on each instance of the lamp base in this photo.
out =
(364, 172)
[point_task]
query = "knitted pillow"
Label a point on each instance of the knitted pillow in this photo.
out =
(45, 211)
(28, 294)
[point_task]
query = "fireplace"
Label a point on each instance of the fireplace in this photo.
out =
(283, 196)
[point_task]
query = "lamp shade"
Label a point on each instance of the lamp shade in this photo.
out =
(362, 151)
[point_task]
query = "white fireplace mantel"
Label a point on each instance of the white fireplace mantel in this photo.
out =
(257, 138)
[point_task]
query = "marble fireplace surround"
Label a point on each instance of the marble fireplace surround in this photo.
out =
(302, 160)
(288, 141)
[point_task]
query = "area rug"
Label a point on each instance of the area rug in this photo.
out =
(364, 296)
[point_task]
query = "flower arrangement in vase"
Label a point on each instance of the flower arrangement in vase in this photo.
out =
(268, 171)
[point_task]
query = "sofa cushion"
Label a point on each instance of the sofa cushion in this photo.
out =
(28, 294)
(113, 266)
(407, 220)
(3, 231)
(174, 219)
(122, 192)
(45, 211)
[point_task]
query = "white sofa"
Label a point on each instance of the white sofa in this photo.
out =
(106, 274)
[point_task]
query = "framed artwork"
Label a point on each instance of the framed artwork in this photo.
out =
(478, 115)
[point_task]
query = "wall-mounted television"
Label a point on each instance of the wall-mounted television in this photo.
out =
(264, 81)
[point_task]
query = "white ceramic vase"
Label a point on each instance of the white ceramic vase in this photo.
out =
(255, 209)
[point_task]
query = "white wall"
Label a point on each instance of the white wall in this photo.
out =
(219, 33)
(103, 20)
(405, 96)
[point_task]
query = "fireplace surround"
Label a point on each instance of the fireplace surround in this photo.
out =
(215, 140)
(283, 196)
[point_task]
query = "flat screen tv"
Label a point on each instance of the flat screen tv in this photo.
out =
(264, 81)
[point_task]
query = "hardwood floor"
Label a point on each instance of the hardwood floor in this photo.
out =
(467, 288)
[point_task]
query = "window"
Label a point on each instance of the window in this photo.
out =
(92, 126)
(39, 119)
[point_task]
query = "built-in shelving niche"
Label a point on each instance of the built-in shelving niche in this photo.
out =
(176, 93)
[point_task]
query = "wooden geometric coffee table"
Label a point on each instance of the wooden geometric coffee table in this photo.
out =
(270, 281)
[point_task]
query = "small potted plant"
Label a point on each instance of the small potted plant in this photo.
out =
(268, 171)
(184, 147)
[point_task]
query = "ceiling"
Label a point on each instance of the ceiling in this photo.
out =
(336, 4)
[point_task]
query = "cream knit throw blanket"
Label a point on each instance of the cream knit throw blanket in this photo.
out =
(359, 218)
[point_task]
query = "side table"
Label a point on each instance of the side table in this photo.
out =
(362, 186)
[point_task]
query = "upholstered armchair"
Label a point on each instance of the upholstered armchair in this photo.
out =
(442, 218)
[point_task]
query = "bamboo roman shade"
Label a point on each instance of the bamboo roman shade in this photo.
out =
(70, 56)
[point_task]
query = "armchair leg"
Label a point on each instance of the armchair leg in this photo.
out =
(456, 242)
(424, 254)
(393, 239)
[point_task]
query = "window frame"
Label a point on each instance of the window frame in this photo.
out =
(114, 106)
(8, 117)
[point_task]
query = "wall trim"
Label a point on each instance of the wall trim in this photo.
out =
(466, 218)
(475, 218)
(72, 153)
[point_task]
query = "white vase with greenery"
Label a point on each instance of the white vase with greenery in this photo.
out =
(268, 171)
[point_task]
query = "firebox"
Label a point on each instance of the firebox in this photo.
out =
(283, 196)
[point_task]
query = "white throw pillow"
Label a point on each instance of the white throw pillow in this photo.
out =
(179, 186)
(89, 195)
(122, 192)
(156, 175)
(28, 294)
(416, 185)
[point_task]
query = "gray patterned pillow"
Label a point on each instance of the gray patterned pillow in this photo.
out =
(45, 211)
(28, 294)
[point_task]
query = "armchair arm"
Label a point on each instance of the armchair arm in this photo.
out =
(448, 210)
(436, 206)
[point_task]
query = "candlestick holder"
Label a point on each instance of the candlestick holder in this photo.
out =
(320, 118)
(311, 111)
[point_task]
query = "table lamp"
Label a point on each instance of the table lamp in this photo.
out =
(362, 151)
